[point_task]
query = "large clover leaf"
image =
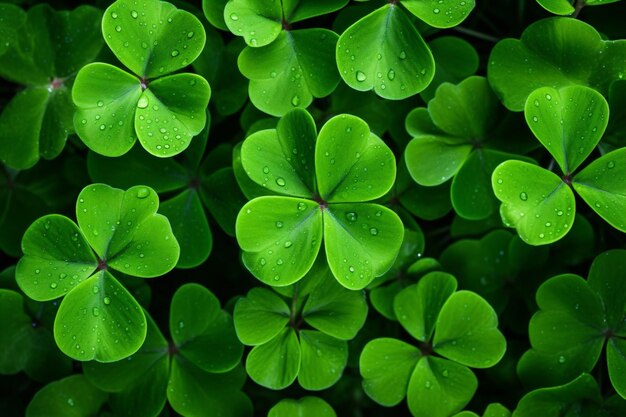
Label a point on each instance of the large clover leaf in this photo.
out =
(283, 348)
(117, 230)
(460, 326)
(324, 196)
(554, 52)
(165, 111)
(71, 396)
(576, 318)
(196, 372)
(569, 122)
(43, 50)
(457, 138)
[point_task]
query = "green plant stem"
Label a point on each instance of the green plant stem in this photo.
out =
(578, 7)
(476, 34)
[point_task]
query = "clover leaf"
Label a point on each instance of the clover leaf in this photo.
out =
(576, 317)
(287, 68)
(117, 230)
(44, 49)
(164, 110)
(460, 326)
(196, 372)
(555, 52)
(324, 197)
(304, 407)
(569, 122)
(71, 396)
(455, 139)
(285, 350)
(492, 410)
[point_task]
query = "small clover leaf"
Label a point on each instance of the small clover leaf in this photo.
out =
(165, 111)
(383, 51)
(197, 371)
(71, 396)
(454, 139)
(118, 230)
(284, 350)
(281, 235)
(559, 7)
(579, 316)
(518, 67)
(440, 14)
(460, 326)
(44, 49)
(304, 407)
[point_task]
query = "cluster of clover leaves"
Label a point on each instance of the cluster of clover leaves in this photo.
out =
(321, 199)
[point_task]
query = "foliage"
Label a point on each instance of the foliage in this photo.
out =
(313, 208)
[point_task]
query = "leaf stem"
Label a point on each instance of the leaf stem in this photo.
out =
(475, 34)
(579, 6)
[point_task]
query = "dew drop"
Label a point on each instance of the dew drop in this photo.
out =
(134, 14)
(143, 102)
(233, 16)
(561, 359)
(279, 224)
(174, 53)
(143, 192)
(114, 15)
(96, 311)
(280, 181)
(288, 244)
(53, 285)
(302, 206)
(523, 196)
(351, 216)
(295, 100)
(107, 300)
(360, 76)
(118, 28)
(610, 165)
(374, 231)
(402, 55)
(391, 74)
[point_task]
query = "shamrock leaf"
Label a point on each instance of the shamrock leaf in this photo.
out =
(459, 326)
(518, 67)
(195, 372)
(284, 350)
(165, 111)
(281, 235)
(304, 407)
(71, 396)
(98, 319)
(44, 49)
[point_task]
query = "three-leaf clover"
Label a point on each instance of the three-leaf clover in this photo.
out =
(197, 372)
(43, 50)
(287, 68)
(555, 52)
(458, 137)
(459, 326)
(325, 186)
(569, 123)
(576, 318)
(165, 111)
(384, 51)
(283, 350)
(117, 231)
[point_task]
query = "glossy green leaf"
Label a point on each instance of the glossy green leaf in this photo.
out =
(439, 387)
(383, 51)
(335, 310)
(171, 112)
(361, 242)
(280, 237)
(214, 12)
(541, 210)
(417, 306)
(352, 164)
(100, 91)
(433, 160)
(275, 364)
(264, 153)
(386, 366)
(190, 227)
(260, 316)
(467, 331)
(73, 396)
(323, 360)
(174, 40)
(53, 244)
(125, 231)
(601, 185)
(203, 333)
(560, 7)
(304, 407)
(191, 391)
(298, 10)
(554, 52)
(259, 22)
(606, 280)
(297, 67)
(440, 14)
(99, 319)
(568, 122)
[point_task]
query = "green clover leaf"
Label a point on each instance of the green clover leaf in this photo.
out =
(281, 235)
(98, 319)
(165, 111)
(304, 407)
(71, 396)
